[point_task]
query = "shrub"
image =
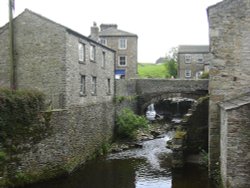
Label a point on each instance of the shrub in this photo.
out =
(205, 75)
(128, 123)
(20, 110)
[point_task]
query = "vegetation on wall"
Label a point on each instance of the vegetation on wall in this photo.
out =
(21, 124)
(128, 123)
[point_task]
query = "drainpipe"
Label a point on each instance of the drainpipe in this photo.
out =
(13, 85)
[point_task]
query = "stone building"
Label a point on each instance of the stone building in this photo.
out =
(125, 45)
(229, 115)
(76, 74)
(69, 68)
(193, 60)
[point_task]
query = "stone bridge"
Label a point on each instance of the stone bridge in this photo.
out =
(153, 90)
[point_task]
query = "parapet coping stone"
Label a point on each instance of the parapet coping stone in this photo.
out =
(236, 102)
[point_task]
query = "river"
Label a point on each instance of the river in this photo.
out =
(147, 167)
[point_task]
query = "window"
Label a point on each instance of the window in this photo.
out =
(83, 85)
(122, 60)
(92, 53)
(81, 52)
(93, 83)
(187, 73)
(109, 86)
(103, 41)
(187, 58)
(103, 59)
(122, 43)
(200, 59)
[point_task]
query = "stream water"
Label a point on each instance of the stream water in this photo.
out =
(147, 167)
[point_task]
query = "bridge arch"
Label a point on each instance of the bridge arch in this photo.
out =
(146, 99)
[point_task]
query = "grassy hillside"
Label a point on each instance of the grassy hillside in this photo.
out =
(146, 70)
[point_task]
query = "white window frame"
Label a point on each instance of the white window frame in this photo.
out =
(188, 58)
(94, 85)
(125, 60)
(81, 52)
(188, 73)
(92, 53)
(122, 44)
(82, 85)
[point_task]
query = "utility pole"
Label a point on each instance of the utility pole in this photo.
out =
(13, 84)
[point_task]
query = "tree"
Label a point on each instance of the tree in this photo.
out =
(171, 62)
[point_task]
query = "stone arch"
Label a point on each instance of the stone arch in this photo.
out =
(147, 99)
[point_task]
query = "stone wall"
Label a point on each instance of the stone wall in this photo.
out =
(229, 23)
(235, 138)
(197, 127)
(170, 85)
(39, 54)
(88, 68)
(130, 53)
(126, 96)
(73, 136)
(47, 59)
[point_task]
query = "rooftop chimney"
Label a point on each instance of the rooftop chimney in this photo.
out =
(94, 32)
(107, 26)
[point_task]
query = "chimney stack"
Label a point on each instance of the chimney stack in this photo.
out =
(94, 32)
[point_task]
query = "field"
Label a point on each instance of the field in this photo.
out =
(146, 70)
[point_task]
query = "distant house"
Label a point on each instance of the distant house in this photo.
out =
(69, 68)
(125, 45)
(193, 60)
(161, 60)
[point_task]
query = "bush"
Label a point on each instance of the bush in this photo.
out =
(128, 123)
(205, 75)
(20, 110)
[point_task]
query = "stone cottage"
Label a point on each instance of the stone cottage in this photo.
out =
(76, 74)
(69, 68)
(125, 45)
(193, 61)
(229, 115)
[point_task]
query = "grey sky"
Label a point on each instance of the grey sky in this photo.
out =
(159, 24)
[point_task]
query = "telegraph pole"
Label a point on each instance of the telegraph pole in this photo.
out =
(11, 47)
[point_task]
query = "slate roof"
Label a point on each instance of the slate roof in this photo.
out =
(110, 32)
(53, 22)
(193, 49)
(236, 102)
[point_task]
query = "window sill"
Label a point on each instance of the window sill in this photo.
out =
(93, 94)
(93, 61)
(83, 94)
(82, 62)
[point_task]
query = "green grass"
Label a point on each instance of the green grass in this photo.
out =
(146, 70)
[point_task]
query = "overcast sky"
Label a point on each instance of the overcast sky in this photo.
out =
(159, 24)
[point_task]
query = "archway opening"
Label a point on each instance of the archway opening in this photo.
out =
(170, 109)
